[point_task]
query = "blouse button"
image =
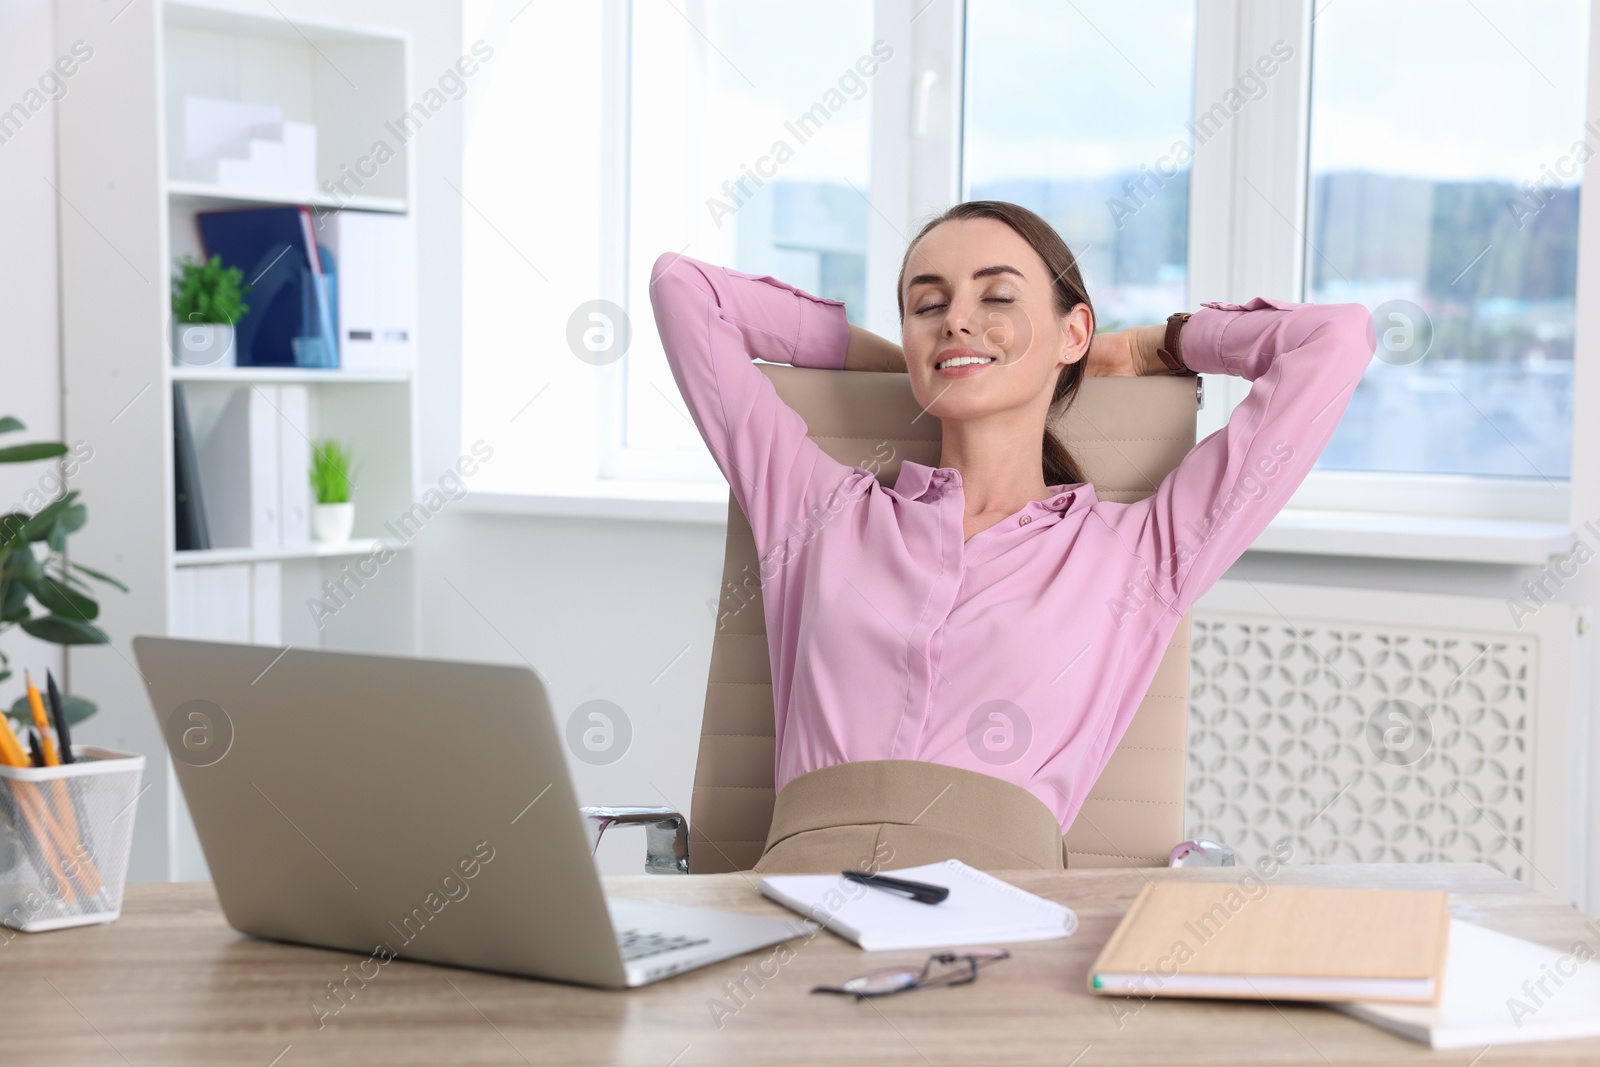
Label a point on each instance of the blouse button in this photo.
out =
(1024, 520)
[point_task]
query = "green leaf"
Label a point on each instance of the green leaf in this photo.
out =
(73, 518)
(38, 527)
(204, 291)
(35, 451)
(56, 538)
(76, 709)
(60, 598)
(13, 600)
(60, 630)
(9, 423)
(91, 572)
(21, 564)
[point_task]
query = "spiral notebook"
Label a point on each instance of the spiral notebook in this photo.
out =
(981, 909)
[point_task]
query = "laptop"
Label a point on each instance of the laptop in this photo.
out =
(411, 808)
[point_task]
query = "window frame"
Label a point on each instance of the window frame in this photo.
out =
(1248, 210)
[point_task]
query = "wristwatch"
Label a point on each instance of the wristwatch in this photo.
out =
(1171, 352)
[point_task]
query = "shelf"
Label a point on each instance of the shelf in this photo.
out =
(356, 546)
(287, 375)
(203, 193)
(310, 29)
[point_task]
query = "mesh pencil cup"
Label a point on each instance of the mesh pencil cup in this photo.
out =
(65, 835)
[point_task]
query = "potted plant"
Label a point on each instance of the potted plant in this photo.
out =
(334, 515)
(43, 593)
(207, 299)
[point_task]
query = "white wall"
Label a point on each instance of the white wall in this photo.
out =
(609, 610)
(30, 346)
(599, 607)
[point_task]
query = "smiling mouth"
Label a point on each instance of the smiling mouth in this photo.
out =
(963, 361)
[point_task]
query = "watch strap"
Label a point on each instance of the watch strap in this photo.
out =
(1171, 352)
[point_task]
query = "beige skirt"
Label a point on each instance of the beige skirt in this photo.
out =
(883, 814)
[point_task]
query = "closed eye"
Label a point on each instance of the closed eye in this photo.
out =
(992, 300)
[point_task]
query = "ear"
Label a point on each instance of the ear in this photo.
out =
(1077, 330)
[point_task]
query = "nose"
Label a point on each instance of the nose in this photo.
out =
(957, 319)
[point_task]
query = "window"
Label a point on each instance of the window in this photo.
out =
(1081, 112)
(1420, 157)
(1443, 194)
(750, 143)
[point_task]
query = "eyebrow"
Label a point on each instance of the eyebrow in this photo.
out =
(984, 272)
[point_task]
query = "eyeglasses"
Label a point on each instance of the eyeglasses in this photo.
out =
(942, 968)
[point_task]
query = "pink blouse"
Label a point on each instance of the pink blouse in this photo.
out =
(1023, 652)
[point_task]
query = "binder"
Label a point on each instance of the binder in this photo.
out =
(349, 236)
(275, 248)
(396, 294)
(266, 603)
(192, 532)
(222, 602)
(228, 602)
(375, 288)
(239, 471)
(180, 615)
(294, 464)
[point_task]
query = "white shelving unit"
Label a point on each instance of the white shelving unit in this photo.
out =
(356, 546)
(125, 228)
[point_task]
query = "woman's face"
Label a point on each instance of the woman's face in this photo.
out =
(977, 293)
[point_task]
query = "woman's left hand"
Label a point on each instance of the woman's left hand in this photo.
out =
(1125, 353)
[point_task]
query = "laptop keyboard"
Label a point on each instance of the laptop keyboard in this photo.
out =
(637, 944)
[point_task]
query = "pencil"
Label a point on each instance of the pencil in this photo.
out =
(29, 806)
(58, 711)
(41, 722)
(60, 795)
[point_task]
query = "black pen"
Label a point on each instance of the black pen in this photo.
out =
(921, 892)
(58, 711)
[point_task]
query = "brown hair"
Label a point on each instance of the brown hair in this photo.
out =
(1067, 292)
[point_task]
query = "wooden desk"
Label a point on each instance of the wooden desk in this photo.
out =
(171, 984)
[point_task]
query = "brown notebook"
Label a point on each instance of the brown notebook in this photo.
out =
(1221, 939)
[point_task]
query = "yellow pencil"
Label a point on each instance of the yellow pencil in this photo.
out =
(66, 821)
(30, 807)
(41, 722)
(10, 750)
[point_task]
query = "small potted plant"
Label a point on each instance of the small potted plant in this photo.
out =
(334, 516)
(207, 299)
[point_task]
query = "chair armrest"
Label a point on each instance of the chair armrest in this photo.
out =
(1200, 854)
(666, 834)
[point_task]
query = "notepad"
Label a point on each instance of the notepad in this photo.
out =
(981, 909)
(1225, 939)
(1499, 990)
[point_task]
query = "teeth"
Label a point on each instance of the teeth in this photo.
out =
(962, 361)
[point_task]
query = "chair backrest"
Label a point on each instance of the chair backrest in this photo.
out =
(1127, 434)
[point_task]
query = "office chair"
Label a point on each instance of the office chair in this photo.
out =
(1126, 434)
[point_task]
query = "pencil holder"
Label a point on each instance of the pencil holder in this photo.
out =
(69, 830)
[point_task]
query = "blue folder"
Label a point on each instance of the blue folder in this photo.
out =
(290, 318)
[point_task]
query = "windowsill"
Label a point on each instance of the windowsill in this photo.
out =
(700, 502)
(1304, 531)
(1440, 538)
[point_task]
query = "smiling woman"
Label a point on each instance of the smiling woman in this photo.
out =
(873, 623)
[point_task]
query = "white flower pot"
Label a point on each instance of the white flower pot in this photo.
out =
(203, 344)
(332, 523)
